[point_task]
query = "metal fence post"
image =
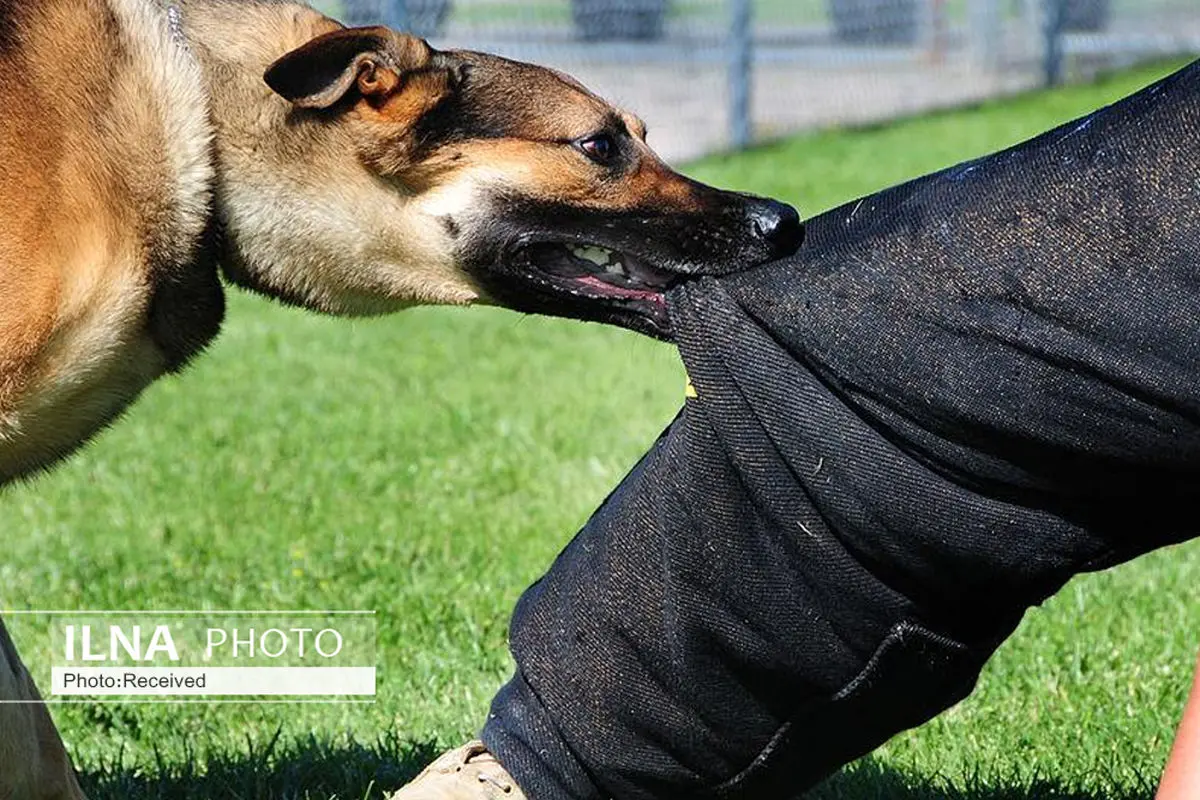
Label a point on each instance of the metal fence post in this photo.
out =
(933, 29)
(741, 69)
(987, 32)
(1056, 13)
(395, 14)
(357, 12)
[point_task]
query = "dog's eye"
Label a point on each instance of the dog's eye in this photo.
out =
(599, 148)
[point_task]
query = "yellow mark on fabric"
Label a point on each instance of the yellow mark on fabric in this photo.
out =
(689, 391)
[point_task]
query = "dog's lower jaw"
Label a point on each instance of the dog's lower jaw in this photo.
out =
(648, 317)
(632, 297)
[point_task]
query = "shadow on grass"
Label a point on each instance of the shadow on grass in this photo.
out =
(312, 769)
(304, 769)
(869, 779)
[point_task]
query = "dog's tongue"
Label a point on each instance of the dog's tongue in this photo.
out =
(613, 290)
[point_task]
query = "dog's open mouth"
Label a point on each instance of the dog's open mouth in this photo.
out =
(590, 281)
(593, 271)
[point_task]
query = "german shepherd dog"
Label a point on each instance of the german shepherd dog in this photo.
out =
(148, 145)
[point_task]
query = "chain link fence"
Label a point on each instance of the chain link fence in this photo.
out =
(709, 75)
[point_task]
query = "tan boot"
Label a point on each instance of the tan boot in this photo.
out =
(468, 773)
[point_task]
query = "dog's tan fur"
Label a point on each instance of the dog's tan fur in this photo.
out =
(140, 147)
(78, 213)
(338, 256)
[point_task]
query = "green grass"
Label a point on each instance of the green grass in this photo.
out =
(431, 464)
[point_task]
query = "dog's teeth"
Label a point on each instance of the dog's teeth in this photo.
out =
(596, 255)
(616, 268)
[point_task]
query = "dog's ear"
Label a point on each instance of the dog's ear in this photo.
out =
(370, 61)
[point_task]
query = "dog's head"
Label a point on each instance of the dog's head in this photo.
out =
(535, 193)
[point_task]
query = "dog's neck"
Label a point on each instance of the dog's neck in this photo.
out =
(300, 216)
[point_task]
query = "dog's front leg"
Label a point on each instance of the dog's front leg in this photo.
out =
(33, 762)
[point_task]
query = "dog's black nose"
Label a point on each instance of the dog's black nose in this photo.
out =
(777, 223)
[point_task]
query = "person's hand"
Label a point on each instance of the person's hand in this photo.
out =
(1181, 779)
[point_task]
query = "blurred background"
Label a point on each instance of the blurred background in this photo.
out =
(712, 75)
